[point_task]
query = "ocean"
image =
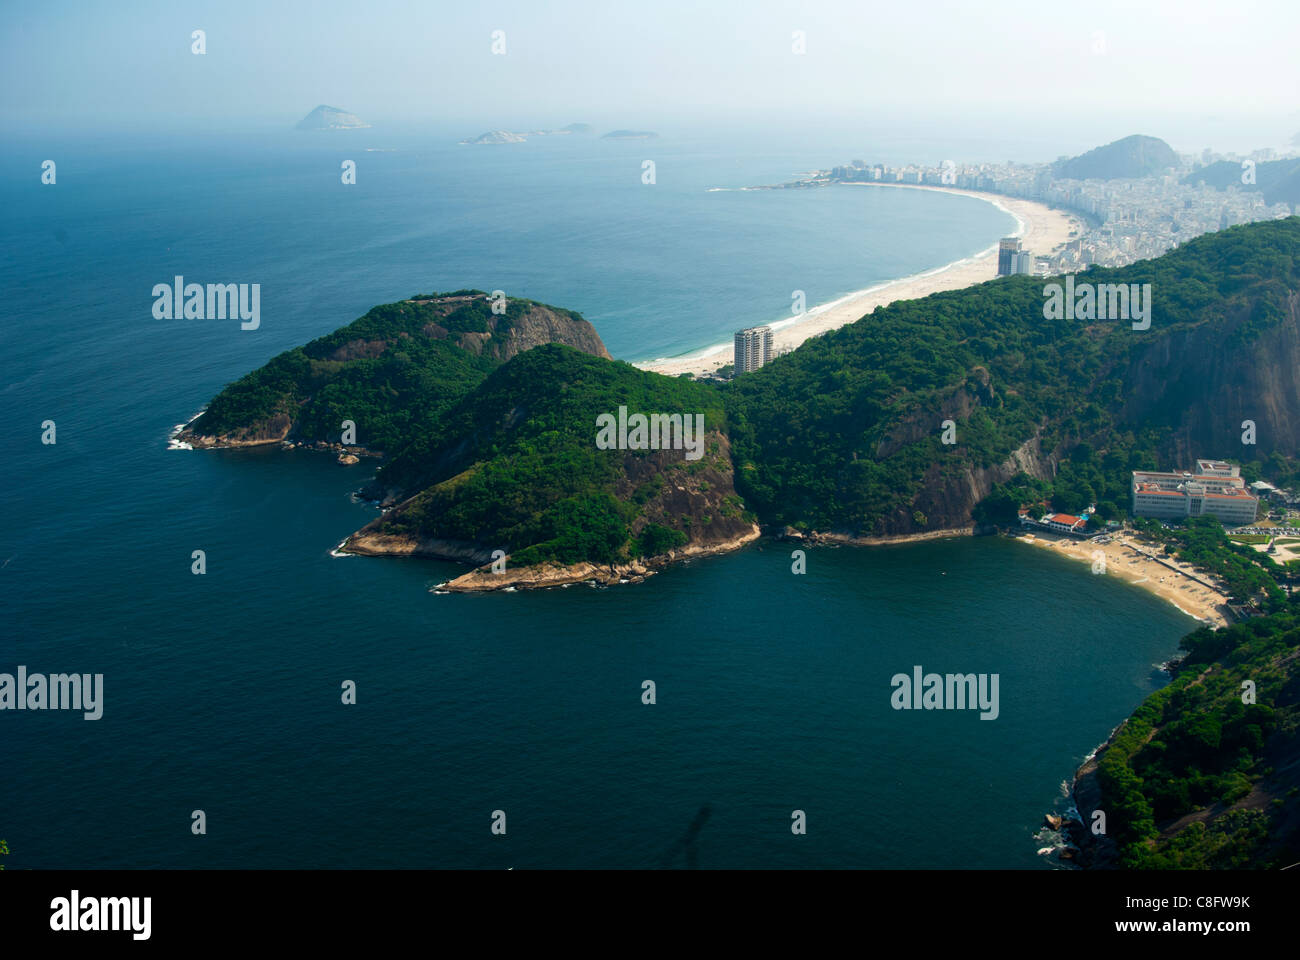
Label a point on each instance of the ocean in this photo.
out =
(222, 691)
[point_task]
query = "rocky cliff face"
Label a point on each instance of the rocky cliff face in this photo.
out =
(1095, 851)
(272, 430)
(701, 494)
(541, 324)
(949, 493)
(1204, 381)
(948, 496)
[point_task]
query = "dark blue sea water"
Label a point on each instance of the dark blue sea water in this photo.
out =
(222, 691)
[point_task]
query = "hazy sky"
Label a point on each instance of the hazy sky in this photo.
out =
(1175, 65)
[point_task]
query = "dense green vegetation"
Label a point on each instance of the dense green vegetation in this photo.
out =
(845, 431)
(1247, 573)
(515, 463)
(1198, 745)
(392, 372)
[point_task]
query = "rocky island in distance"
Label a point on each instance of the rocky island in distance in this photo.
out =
(511, 136)
(331, 118)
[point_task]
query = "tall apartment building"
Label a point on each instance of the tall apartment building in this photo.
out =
(753, 348)
(1008, 247)
(1215, 489)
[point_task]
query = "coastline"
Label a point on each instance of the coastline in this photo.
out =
(1083, 848)
(1167, 580)
(1040, 228)
(849, 540)
(482, 578)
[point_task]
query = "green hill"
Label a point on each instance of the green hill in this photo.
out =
(491, 438)
(392, 372)
(1278, 180)
(1206, 773)
(514, 466)
(845, 432)
(1127, 159)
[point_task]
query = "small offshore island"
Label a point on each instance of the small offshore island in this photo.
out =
(485, 413)
(512, 136)
(331, 118)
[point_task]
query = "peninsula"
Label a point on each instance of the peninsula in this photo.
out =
(488, 420)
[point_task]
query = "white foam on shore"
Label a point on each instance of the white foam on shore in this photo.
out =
(706, 352)
(709, 351)
(1189, 613)
(338, 551)
(173, 443)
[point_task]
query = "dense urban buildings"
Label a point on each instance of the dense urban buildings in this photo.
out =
(1215, 489)
(1127, 220)
(753, 348)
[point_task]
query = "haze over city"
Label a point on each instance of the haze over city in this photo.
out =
(1197, 74)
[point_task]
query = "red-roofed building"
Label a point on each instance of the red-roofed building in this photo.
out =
(1064, 522)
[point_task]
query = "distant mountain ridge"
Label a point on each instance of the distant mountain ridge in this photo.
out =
(1278, 180)
(1127, 159)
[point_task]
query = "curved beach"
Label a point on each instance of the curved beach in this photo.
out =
(1132, 561)
(1041, 230)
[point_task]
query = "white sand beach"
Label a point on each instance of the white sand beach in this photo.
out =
(1130, 559)
(1041, 230)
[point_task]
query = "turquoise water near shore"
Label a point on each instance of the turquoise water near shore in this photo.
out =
(222, 691)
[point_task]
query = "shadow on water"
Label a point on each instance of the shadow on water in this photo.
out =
(687, 844)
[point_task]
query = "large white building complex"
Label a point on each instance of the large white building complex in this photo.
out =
(1215, 490)
(753, 348)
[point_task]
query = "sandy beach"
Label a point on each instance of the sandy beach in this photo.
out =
(1041, 231)
(1129, 559)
